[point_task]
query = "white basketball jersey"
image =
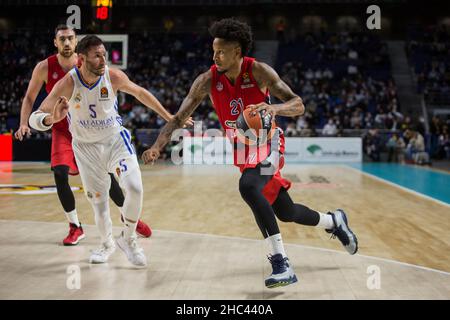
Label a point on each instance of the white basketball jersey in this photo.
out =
(93, 111)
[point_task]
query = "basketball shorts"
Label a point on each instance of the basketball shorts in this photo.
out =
(116, 155)
(62, 152)
(272, 160)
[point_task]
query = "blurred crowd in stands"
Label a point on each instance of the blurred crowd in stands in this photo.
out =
(428, 52)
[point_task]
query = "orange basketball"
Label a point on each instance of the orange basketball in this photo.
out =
(254, 128)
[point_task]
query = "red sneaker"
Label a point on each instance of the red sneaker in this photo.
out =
(142, 228)
(75, 235)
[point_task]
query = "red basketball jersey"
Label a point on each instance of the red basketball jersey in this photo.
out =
(55, 73)
(230, 100)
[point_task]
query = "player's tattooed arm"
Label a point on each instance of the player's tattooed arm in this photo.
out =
(266, 77)
(199, 90)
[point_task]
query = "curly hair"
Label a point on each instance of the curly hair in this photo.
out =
(231, 29)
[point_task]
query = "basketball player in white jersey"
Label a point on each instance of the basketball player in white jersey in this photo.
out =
(87, 96)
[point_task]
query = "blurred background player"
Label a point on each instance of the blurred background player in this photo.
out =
(49, 72)
(236, 82)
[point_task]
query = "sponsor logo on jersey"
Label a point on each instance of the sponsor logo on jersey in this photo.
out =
(97, 123)
(245, 86)
(104, 93)
(77, 106)
(219, 86)
(230, 124)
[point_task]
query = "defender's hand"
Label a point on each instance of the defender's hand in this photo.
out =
(189, 123)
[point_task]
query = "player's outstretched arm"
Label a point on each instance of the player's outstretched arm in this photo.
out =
(122, 83)
(54, 108)
(199, 90)
(266, 77)
(38, 78)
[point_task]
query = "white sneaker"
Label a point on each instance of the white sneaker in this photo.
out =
(102, 254)
(134, 253)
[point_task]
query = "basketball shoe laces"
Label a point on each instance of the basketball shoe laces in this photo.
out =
(134, 246)
(340, 234)
(278, 265)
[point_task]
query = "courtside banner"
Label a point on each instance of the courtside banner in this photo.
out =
(329, 149)
(218, 150)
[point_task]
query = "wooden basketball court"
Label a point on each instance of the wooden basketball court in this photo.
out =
(206, 244)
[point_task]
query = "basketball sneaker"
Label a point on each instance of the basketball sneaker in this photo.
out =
(134, 253)
(282, 273)
(102, 254)
(342, 231)
(142, 229)
(75, 235)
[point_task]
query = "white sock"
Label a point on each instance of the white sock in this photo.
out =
(72, 216)
(275, 244)
(325, 221)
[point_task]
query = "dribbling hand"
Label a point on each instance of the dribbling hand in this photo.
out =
(266, 108)
(150, 155)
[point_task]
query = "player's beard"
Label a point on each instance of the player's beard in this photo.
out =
(66, 53)
(98, 72)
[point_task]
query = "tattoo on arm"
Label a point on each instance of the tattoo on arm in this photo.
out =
(200, 88)
(292, 104)
(281, 90)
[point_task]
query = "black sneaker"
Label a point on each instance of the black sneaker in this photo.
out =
(342, 231)
(282, 274)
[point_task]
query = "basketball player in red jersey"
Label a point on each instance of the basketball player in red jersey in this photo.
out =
(50, 71)
(236, 82)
